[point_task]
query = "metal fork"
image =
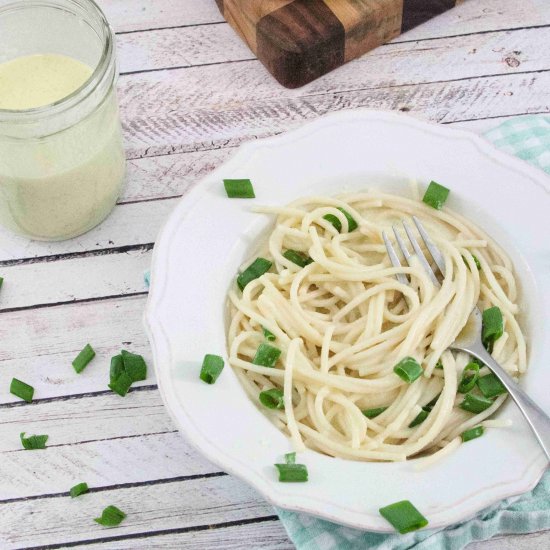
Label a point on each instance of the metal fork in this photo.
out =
(469, 339)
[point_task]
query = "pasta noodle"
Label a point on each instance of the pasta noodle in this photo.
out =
(343, 321)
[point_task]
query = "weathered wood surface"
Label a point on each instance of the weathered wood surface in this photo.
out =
(190, 94)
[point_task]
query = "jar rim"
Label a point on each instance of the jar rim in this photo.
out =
(102, 67)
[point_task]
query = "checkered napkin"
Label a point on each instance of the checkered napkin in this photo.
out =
(529, 139)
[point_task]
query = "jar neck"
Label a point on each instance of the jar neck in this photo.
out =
(68, 111)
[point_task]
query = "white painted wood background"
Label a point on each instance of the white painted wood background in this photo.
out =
(190, 92)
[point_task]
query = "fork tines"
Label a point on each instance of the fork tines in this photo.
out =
(417, 251)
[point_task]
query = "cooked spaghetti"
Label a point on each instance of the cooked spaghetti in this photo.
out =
(342, 322)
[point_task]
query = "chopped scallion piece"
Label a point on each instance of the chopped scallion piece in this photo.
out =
(473, 433)
(79, 489)
(335, 221)
(403, 516)
(33, 442)
(117, 368)
(134, 366)
(298, 258)
(256, 269)
(122, 384)
(268, 335)
(420, 417)
(266, 355)
(493, 326)
(272, 399)
(436, 195)
(1, 281)
(373, 413)
(470, 374)
(490, 386)
(22, 390)
(292, 472)
(290, 458)
(476, 261)
(408, 369)
(439, 365)
(110, 517)
(475, 403)
(80, 362)
(212, 367)
(239, 189)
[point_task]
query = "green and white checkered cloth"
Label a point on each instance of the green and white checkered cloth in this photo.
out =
(529, 139)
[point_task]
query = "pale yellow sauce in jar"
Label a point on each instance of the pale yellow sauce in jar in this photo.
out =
(59, 185)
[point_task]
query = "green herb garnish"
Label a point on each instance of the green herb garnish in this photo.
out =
(298, 258)
(212, 366)
(22, 390)
(239, 189)
(490, 385)
(408, 369)
(266, 355)
(268, 335)
(373, 413)
(335, 221)
(110, 517)
(492, 327)
(256, 269)
(272, 399)
(470, 374)
(475, 403)
(79, 489)
(33, 442)
(403, 516)
(134, 366)
(80, 362)
(435, 195)
(473, 433)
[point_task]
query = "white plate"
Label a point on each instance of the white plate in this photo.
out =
(208, 236)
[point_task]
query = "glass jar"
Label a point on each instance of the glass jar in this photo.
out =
(61, 165)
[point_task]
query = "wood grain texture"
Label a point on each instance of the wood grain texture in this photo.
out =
(267, 535)
(192, 117)
(149, 508)
(302, 40)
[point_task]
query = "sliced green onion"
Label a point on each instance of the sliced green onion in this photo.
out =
(256, 269)
(110, 517)
(420, 417)
(268, 335)
(272, 399)
(436, 195)
(292, 472)
(491, 386)
(476, 261)
(408, 369)
(432, 403)
(134, 366)
(493, 326)
(298, 258)
(22, 390)
(373, 413)
(239, 189)
(473, 433)
(33, 442)
(1, 281)
(335, 221)
(439, 365)
(475, 403)
(121, 385)
(212, 367)
(79, 489)
(117, 368)
(403, 516)
(290, 458)
(470, 374)
(266, 355)
(80, 362)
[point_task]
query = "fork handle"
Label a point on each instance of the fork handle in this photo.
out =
(538, 420)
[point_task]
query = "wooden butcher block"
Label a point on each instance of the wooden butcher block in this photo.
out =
(300, 40)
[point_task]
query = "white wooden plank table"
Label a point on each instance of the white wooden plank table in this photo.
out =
(190, 92)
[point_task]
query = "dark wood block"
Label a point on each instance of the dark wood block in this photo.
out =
(301, 40)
